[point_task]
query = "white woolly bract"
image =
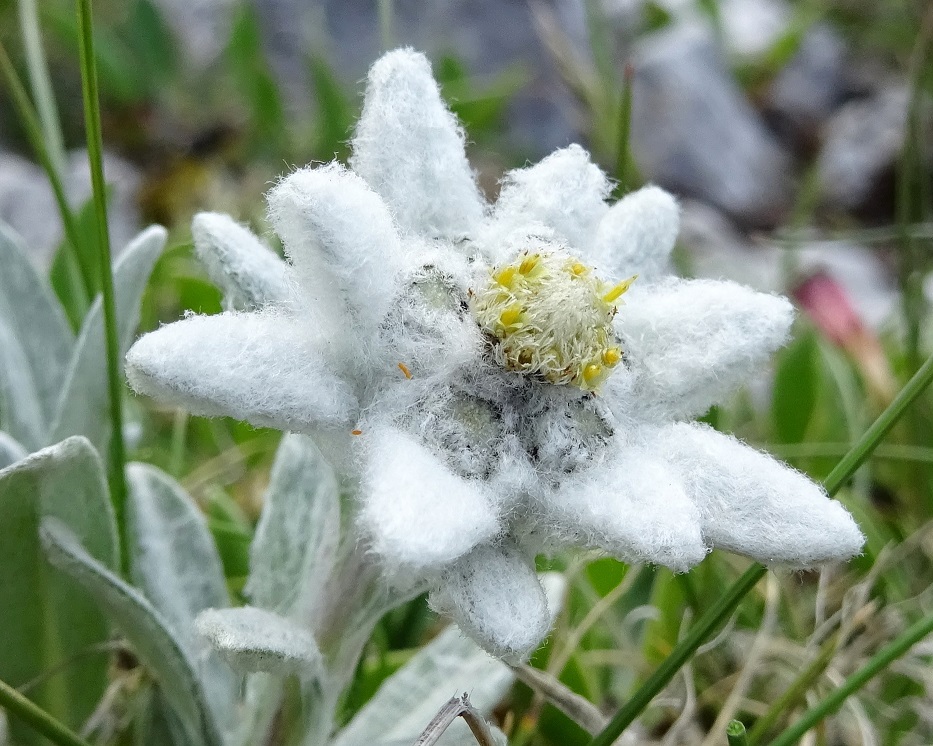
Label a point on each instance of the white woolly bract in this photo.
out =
(255, 640)
(462, 467)
(409, 148)
(249, 273)
(420, 515)
(632, 507)
(339, 235)
(690, 343)
(264, 368)
(494, 595)
(636, 235)
(566, 192)
(754, 505)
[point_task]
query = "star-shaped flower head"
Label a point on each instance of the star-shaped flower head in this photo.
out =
(493, 381)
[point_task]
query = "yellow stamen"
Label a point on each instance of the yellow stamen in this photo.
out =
(591, 372)
(617, 291)
(528, 264)
(506, 277)
(578, 269)
(612, 356)
(404, 368)
(510, 315)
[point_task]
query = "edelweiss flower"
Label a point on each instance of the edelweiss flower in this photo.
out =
(493, 381)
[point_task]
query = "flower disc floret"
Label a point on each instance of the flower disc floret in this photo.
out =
(549, 316)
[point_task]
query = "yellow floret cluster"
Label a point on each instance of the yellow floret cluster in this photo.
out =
(549, 316)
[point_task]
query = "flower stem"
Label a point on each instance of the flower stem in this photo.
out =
(878, 662)
(724, 607)
(95, 155)
(30, 713)
(33, 130)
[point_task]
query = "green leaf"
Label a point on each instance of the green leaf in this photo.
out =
(335, 112)
(247, 63)
(408, 699)
(47, 621)
(83, 406)
(20, 410)
(174, 562)
(796, 385)
(147, 631)
(295, 545)
(254, 640)
(10, 450)
(36, 321)
(65, 274)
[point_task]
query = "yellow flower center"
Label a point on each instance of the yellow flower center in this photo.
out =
(549, 316)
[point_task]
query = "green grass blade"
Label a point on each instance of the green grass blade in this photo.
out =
(724, 607)
(735, 733)
(95, 154)
(34, 134)
(41, 83)
(884, 657)
(20, 707)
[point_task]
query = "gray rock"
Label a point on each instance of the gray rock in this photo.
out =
(717, 249)
(28, 205)
(487, 36)
(861, 145)
(693, 130)
(812, 85)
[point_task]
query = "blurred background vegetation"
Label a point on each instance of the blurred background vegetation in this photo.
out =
(798, 136)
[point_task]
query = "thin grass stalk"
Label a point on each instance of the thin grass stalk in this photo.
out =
(910, 175)
(794, 693)
(881, 660)
(36, 718)
(386, 11)
(623, 152)
(95, 148)
(726, 605)
(33, 129)
(41, 83)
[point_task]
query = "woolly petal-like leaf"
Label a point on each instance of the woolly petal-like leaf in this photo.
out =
(295, 545)
(258, 641)
(20, 405)
(341, 240)
(46, 619)
(690, 343)
(417, 513)
(174, 561)
(566, 191)
(36, 320)
(633, 507)
(457, 734)
(405, 703)
(637, 234)
(84, 404)
(248, 271)
(494, 596)
(754, 505)
(10, 450)
(264, 368)
(147, 631)
(410, 149)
